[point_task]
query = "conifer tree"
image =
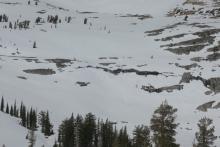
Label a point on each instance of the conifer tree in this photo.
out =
(163, 126)
(46, 126)
(7, 109)
(15, 110)
(88, 131)
(34, 45)
(23, 116)
(123, 140)
(11, 111)
(2, 104)
(141, 136)
(78, 129)
(205, 137)
(107, 134)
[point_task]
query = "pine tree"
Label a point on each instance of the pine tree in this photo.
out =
(205, 137)
(67, 133)
(107, 134)
(163, 126)
(48, 125)
(88, 131)
(15, 110)
(23, 116)
(141, 136)
(123, 139)
(34, 45)
(2, 104)
(78, 129)
(12, 111)
(7, 109)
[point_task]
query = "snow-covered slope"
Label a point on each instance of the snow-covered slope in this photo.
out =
(12, 134)
(89, 53)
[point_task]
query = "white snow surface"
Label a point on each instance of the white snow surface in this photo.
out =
(117, 97)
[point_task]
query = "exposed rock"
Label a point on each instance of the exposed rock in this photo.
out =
(107, 64)
(187, 77)
(40, 71)
(83, 84)
(60, 63)
(21, 77)
(213, 57)
(186, 50)
(160, 31)
(192, 42)
(204, 107)
(180, 12)
(197, 59)
(194, 2)
(119, 70)
(152, 89)
(188, 67)
(33, 60)
(214, 49)
(141, 17)
(217, 106)
(208, 92)
(213, 84)
(169, 38)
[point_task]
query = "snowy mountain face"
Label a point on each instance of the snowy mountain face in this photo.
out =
(129, 57)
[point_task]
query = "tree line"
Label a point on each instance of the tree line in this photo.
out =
(90, 131)
(30, 118)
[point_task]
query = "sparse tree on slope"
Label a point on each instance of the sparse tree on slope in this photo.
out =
(163, 126)
(2, 104)
(205, 137)
(141, 136)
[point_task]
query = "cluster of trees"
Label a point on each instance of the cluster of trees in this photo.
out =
(52, 19)
(29, 117)
(3, 18)
(88, 131)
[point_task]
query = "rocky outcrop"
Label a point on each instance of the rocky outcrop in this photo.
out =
(152, 89)
(213, 83)
(204, 107)
(40, 71)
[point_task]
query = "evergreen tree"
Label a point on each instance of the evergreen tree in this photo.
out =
(2, 104)
(23, 116)
(88, 131)
(12, 111)
(141, 136)
(78, 129)
(205, 137)
(7, 109)
(15, 110)
(163, 126)
(107, 134)
(34, 45)
(46, 126)
(123, 139)
(66, 133)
